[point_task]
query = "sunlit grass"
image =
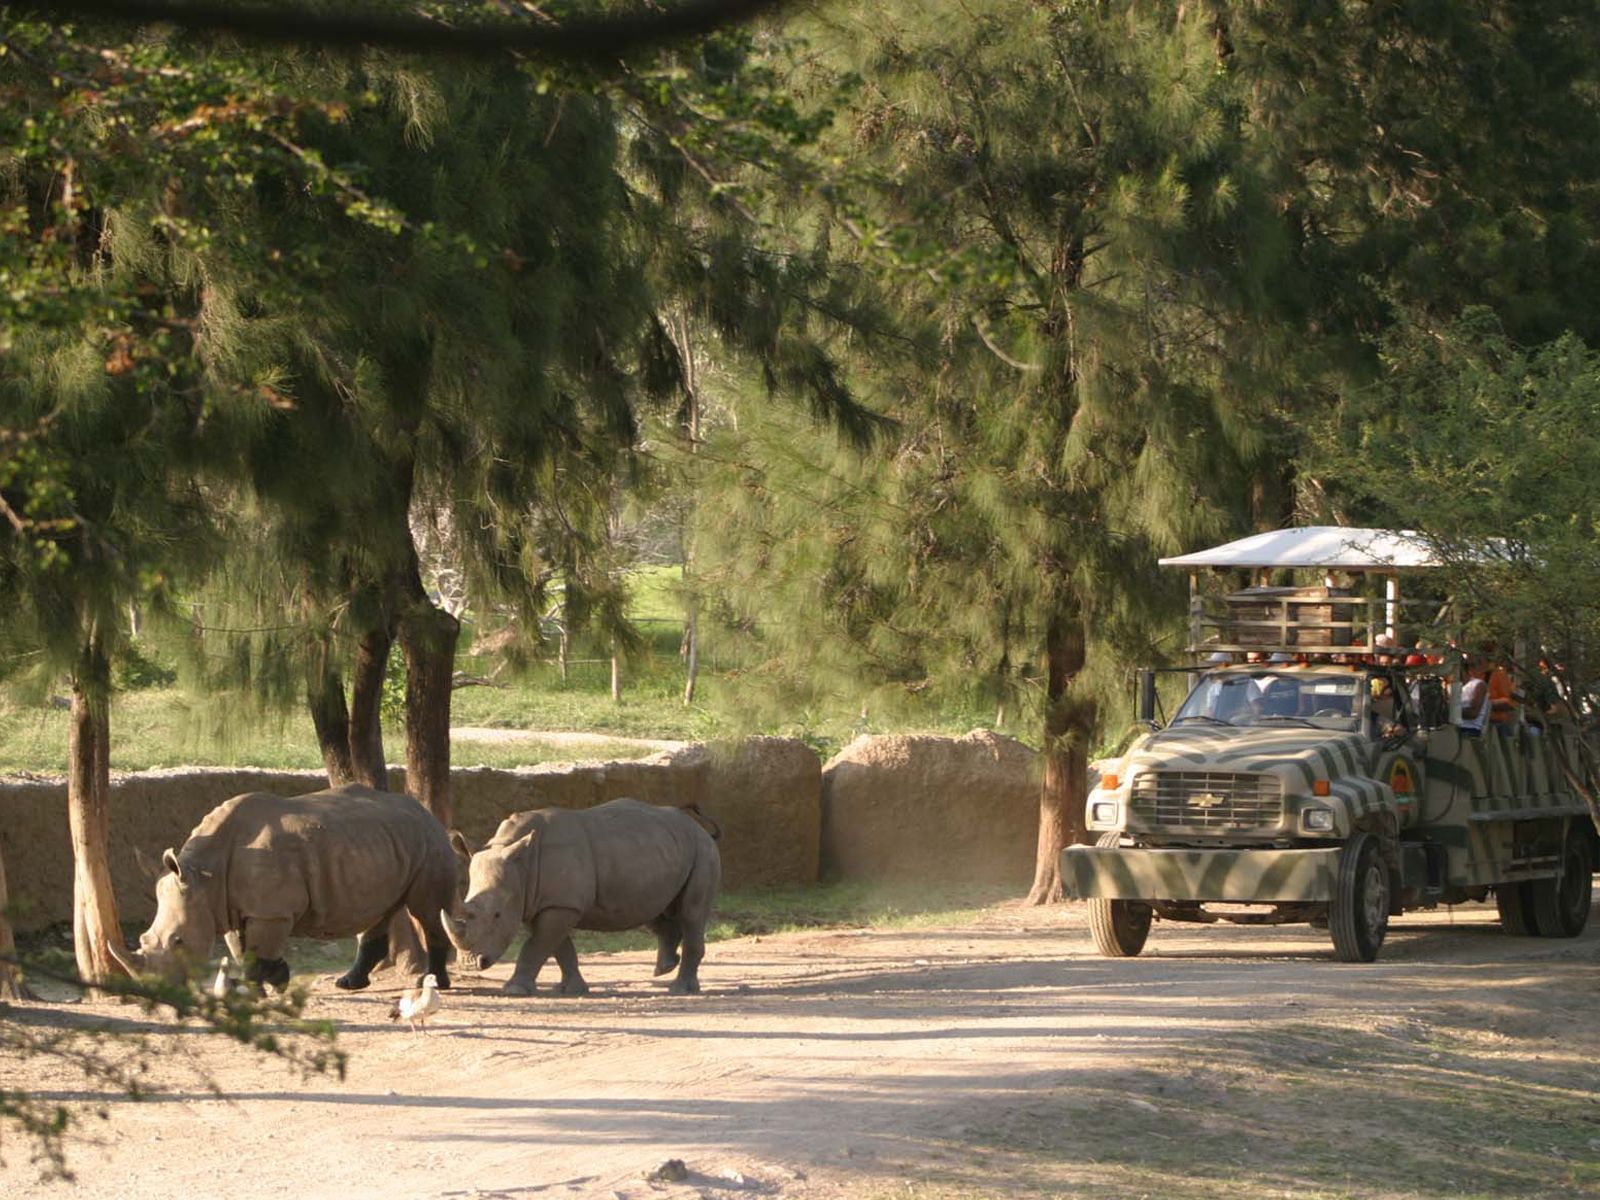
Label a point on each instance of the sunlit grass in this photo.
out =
(175, 727)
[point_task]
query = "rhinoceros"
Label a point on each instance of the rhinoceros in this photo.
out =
(326, 865)
(615, 866)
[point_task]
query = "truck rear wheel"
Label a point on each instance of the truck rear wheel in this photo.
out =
(1515, 904)
(1120, 927)
(1561, 905)
(1358, 915)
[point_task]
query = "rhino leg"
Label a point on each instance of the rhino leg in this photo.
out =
(439, 947)
(546, 933)
(693, 908)
(271, 972)
(572, 983)
(694, 949)
(668, 934)
(264, 943)
(438, 956)
(371, 949)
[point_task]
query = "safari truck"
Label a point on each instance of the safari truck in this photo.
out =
(1320, 770)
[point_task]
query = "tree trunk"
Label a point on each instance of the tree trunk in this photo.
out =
(11, 985)
(429, 636)
(367, 763)
(616, 675)
(330, 716)
(94, 904)
(1068, 725)
(691, 437)
(691, 637)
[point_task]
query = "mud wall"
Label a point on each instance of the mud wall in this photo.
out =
(931, 808)
(765, 793)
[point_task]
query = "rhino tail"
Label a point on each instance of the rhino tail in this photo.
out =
(704, 821)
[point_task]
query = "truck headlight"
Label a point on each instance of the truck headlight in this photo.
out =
(1103, 812)
(1318, 820)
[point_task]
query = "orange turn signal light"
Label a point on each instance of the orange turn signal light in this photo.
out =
(1111, 782)
(1319, 787)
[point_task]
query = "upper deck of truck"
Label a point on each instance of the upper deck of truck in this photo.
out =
(1337, 621)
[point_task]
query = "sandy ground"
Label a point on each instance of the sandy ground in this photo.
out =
(997, 1058)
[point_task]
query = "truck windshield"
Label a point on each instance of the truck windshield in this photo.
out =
(1276, 698)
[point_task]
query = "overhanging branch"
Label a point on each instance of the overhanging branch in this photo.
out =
(590, 38)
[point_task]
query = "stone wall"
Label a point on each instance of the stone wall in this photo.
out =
(931, 808)
(765, 793)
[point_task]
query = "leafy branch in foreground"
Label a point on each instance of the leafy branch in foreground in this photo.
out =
(116, 1057)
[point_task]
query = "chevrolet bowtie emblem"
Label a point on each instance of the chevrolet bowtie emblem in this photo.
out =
(1205, 800)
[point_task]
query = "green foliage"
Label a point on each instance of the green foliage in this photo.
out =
(1489, 450)
(1059, 201)
(136, 667)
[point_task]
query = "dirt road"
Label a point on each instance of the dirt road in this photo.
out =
(1001, 1057)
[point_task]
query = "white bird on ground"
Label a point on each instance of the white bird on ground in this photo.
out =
(416, 1005)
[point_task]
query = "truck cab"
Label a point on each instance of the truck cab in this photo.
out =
(1312, 775)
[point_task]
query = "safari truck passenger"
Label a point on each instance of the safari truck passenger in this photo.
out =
(1309, 787)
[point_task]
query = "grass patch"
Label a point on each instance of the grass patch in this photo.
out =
(169, 728)
(165, 726)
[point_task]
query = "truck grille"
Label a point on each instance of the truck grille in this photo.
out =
(1217, 801)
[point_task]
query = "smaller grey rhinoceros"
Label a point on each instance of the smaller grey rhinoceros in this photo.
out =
(616, 866)
(325, 865)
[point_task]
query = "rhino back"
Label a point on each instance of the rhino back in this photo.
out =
(333, 862)
(621, 863)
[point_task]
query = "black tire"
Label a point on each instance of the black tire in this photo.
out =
(1358, 915)
(1561, 905)
(1515, 904)
(1120, 927)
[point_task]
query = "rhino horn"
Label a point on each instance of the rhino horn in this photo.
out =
(455, 930)
(131, 961)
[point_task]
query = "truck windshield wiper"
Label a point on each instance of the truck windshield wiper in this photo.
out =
(1297, 720)
(1202, 717)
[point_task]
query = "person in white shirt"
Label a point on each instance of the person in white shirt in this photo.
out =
(1474, 700)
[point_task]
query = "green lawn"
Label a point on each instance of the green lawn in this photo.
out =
(173, 726)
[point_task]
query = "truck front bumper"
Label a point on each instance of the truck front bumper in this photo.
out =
(1224, 876)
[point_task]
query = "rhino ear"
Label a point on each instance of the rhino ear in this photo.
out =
(169, 860)
(524, 844)
(148, 866)
(463, 848)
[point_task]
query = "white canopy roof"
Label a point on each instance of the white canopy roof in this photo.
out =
(1331, 547)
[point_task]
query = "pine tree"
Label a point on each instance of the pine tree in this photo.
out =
(1062, 193)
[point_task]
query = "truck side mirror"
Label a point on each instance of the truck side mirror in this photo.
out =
(1147, 697)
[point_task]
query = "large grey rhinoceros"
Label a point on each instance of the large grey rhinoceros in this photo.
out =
(615, 866)
(326, 865)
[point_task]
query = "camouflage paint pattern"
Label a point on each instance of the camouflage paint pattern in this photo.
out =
(1467, 795)
(1237, 876)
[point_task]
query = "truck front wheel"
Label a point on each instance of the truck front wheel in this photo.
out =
(1561, 905)
(1120, 927)
(1358, 915)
